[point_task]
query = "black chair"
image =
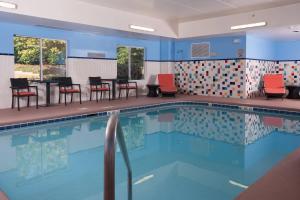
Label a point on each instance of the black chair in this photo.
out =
(66, 86)
(20, 88)
(96, 86)
(125, 84)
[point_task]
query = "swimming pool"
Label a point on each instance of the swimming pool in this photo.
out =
(176, 152)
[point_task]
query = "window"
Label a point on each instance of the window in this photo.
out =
(27, 57)
(130, 63)
(37, 58)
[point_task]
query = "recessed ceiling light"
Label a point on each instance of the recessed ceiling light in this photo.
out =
(141, 28)
(244, 26)
(9, 5)
(238, 184)
(142, 180)
(295, 28)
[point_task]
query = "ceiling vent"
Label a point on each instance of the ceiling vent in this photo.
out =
(200, 50)
(96, 55)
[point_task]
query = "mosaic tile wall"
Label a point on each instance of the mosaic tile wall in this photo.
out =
(211, 124)
(290, 126)
(223, 78)
(231, 78)
(255, 69)
(228, 126)
(255, 128)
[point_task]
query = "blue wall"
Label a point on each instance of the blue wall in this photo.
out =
(287, 50)
(260, 48)
(255, 47)
(80, 43)
(271, 49)
(224, 47)
(167, 49)
(156, 49)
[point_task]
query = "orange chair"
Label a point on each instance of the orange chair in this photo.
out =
(167, 84)
(166, 117)
(274, 85)
(276, 122)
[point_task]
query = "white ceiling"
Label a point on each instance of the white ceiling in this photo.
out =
(186, 10)
(289, 33)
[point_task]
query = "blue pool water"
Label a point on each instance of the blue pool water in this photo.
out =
(178, 152)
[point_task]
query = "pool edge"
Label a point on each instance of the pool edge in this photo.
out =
(241, 107)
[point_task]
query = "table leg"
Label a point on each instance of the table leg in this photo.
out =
(296, 93)
(152, 91)
(114, 89)
(48, 94)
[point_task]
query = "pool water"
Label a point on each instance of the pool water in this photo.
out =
(176, 153)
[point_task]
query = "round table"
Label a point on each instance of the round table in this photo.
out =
(152, 90)
(293, 92)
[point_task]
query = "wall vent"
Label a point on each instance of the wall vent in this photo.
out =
(241, 53)
(96, 55)
(200, 50)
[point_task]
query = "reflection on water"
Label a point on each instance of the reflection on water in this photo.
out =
(133, 129)
(188, 152)
(41, 152)
(36, 159)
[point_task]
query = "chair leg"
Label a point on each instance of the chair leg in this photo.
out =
(127, 93)
(71, 97)
(101, 95)
(108, 95)
(97, 96)
(28, 101)
(80, 97)
(119, 93)
(18, 103)
(65, 99)
(12, 102)
(91, 95)
(136, 93)
(59, 97)
(37, 102)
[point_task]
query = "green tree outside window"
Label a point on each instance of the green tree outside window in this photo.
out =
(130, 63)
(28, 58)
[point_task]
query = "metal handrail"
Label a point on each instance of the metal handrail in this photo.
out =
(114, 133)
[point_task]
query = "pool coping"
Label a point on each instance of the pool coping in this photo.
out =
(241, 107)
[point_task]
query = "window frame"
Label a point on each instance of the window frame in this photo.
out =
(40, 39)
(129, 47)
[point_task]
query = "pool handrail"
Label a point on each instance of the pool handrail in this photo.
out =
(113, 134)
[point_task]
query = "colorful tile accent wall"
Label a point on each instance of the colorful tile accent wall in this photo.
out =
(229, 126)
(255, 69)
(226, 126)
(291, 71)
(241, 78)
(223, 78)
(255, 128)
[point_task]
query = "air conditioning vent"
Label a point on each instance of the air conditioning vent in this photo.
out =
(240, 53)
(96, 55)
(199, 50)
